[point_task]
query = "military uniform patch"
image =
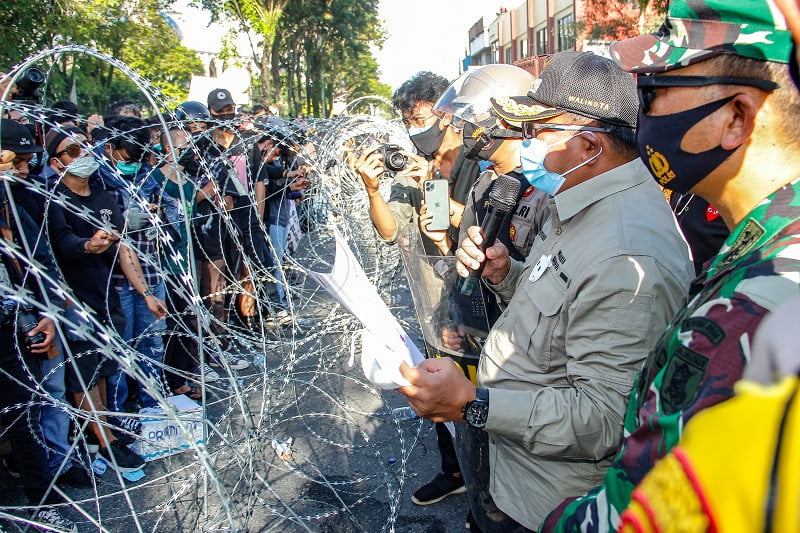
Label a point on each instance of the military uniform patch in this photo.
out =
(682, 379)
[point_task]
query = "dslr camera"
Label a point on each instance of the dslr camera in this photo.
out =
(26, 321)
(393, 158)
(28, 85)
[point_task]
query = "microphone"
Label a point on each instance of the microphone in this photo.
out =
(502, 200)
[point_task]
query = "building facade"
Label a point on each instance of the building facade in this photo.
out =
(534, 29)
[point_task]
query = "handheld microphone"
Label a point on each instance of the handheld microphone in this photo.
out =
(502, 200)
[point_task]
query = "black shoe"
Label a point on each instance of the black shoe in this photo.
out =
(437, 490)
(471, 525)
(75, 476)
(125, 438)
(120, 458)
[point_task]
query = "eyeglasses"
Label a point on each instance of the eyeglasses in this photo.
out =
(532, 129)
(418, 122)
(73, 150)
(647, 85)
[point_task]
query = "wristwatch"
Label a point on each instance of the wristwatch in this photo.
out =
(148, 292)
(477, 411)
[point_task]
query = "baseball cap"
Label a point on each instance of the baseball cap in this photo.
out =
(17, 138)
(696, 31)
(575, 82)
(219, 98)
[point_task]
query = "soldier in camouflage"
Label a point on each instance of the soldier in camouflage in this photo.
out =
(718, 119)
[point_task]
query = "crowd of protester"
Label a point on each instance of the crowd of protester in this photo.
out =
(123, 214)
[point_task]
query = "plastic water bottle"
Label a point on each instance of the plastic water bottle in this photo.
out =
(404, 413)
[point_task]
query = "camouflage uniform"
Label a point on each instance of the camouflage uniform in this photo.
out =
(701, 355)
(706, 347)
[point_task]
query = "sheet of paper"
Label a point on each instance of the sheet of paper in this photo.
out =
(389, 343)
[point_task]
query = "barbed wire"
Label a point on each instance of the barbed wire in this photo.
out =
(236, 472)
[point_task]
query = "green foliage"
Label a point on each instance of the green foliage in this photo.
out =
(309, 49)
(133, 31)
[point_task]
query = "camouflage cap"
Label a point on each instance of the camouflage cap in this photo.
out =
(696, 30)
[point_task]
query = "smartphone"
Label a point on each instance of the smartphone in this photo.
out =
(437, 199)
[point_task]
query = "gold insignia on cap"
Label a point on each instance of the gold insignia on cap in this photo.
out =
(514, 108)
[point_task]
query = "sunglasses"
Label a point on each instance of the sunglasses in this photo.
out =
(531, 129)
(73, 150)
(647, 85)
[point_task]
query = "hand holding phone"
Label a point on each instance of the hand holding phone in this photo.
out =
(437, 200)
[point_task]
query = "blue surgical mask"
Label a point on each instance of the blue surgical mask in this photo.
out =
(128, 169)
(84, 166)
(532, 155)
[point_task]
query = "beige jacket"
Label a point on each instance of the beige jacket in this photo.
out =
(604, 277)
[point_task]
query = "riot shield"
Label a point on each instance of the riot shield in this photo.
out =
(453, 325)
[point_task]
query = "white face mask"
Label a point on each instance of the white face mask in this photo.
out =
(84, 166)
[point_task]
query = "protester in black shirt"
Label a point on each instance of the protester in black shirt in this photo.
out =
(84, 229)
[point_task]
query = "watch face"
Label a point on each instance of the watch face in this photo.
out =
(476, 414)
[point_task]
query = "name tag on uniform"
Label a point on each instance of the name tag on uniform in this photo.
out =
(540, 266)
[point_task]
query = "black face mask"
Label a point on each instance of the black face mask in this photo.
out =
(190, 164)
(429, 141)
(659, 139)
(479, 142)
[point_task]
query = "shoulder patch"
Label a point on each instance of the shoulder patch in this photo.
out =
(713, 331)
(682, 379)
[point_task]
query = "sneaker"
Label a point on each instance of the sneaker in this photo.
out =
(75, 476)
(208, 373)
(53, 520)
(128, 423)
(437, 490)
(120, 458)
(125, 438)
(280, 318)
(234, 362)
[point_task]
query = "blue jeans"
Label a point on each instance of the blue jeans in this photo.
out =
(278, 235)
(140, 321)
(55, 419)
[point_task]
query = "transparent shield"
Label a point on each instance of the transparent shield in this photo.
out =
(453, 325)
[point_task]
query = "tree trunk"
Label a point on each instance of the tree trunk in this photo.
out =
(264, 71)
(275, 71)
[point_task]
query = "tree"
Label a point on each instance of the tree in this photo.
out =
(260, 16)
(620, 19)
(324, 48)
(133, 31)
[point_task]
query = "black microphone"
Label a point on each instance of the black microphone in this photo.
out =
(502, 201)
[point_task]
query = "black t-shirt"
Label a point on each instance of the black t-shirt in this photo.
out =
(69, 228)
(702, 226)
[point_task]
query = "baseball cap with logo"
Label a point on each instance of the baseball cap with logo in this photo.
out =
(575, 82)
(17, 138)
(698, 30)
(219, 98)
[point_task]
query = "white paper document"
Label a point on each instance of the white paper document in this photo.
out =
(384, 342)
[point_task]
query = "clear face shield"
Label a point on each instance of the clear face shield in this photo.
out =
(467, 106)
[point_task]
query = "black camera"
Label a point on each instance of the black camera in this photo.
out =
(393, 158)
(28, 85)
(26, 322)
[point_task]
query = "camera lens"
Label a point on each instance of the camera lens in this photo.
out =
(395, 161)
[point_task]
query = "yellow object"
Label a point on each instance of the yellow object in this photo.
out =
(718, 479)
